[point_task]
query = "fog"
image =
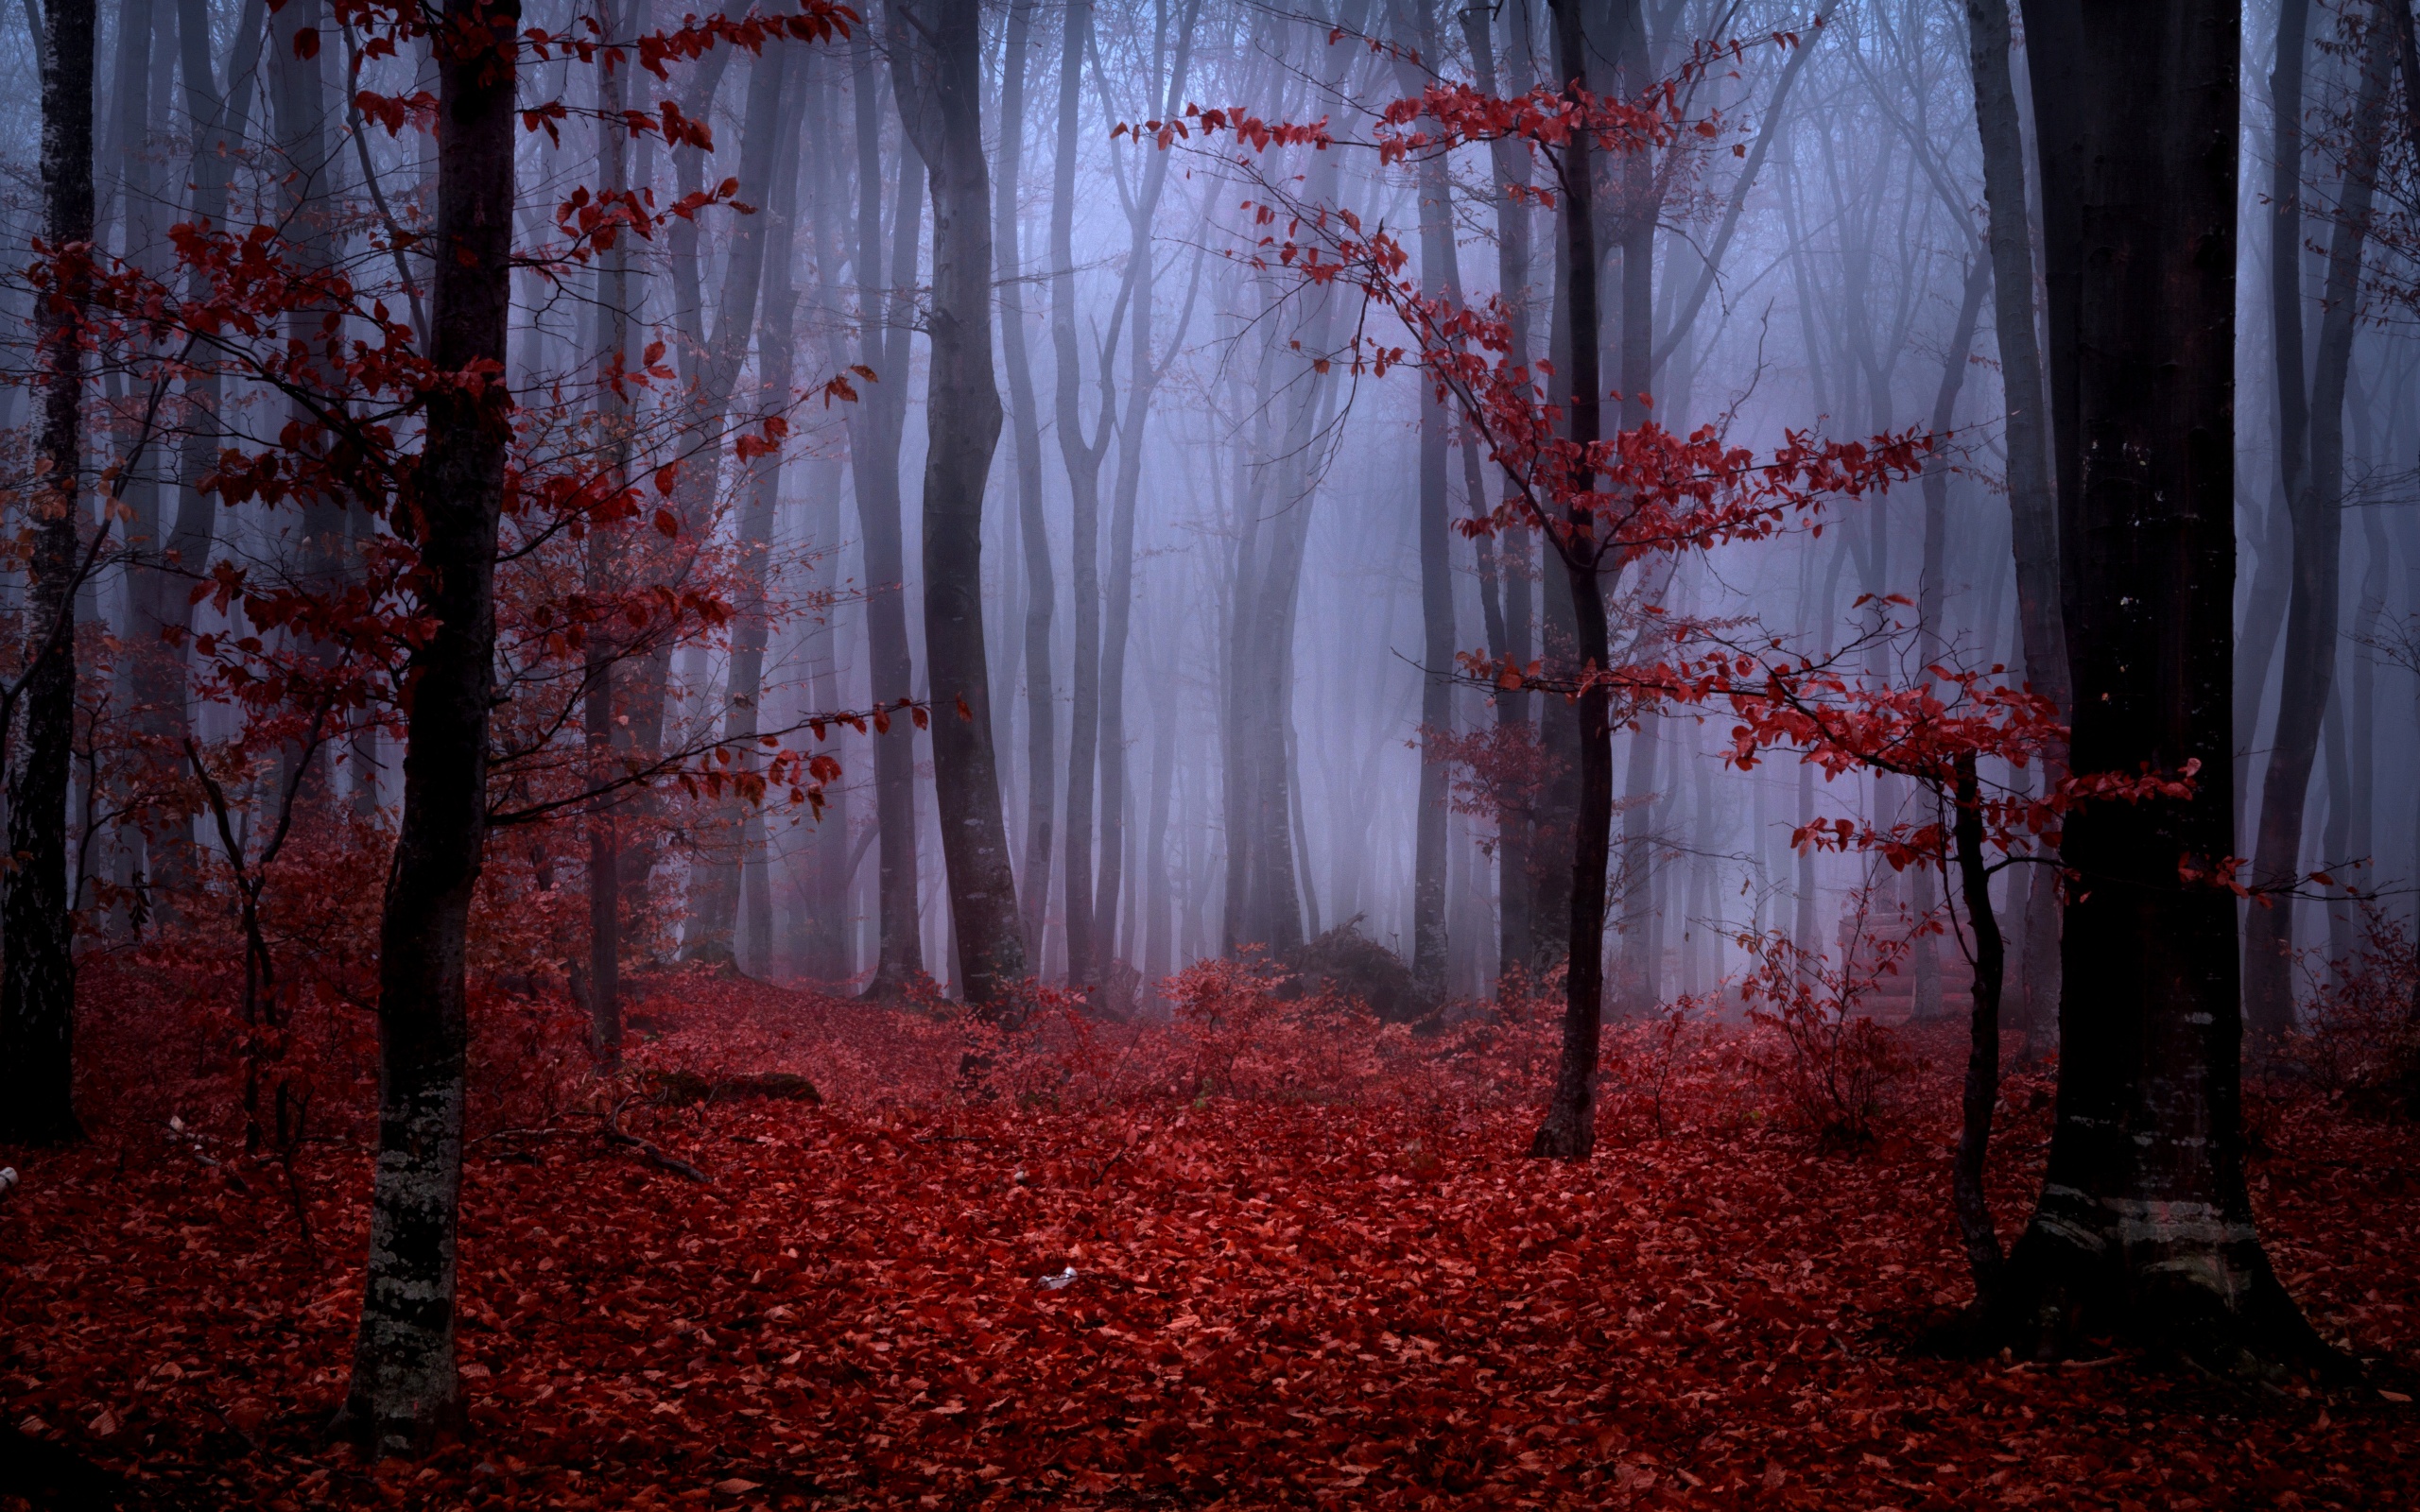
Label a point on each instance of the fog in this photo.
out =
(1210, 597)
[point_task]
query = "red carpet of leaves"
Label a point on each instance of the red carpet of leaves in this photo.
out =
(1277, 1300)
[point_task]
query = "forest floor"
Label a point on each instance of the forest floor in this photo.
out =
(1286, 1295)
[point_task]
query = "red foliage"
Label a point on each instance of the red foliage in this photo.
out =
(1268, 1299)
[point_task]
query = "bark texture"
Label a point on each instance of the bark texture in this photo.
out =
(38, 971)
(938, 81)
(2145, 1227)
(2307, 681)
(404, 1389)
(1569, 1129)
(885, 313)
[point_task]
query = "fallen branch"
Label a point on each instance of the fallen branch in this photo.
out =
(615, 1134)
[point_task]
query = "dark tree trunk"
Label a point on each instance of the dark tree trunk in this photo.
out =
(874, 461)
(1981, 1092)
(2307, 678)
(1569, 1129)
(404, 1389)
(2145, 1225)
(1025, 425)
(938, 81)
(38, 971)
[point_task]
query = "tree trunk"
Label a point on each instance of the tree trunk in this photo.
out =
(884, 318)
(1082, 457)
(161, 605)
(1569, 1129)
(2312, 628)
(1516, 887)
(1927, 951)
(1144, 368)
(38, 970)
(1981, 1092)
(605, 570)
(2145, 1225)
(1438, 272)
(759, 256)
(404, 1389)
(939, 82)
(1025, 425)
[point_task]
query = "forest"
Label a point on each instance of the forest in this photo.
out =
(1121, 754)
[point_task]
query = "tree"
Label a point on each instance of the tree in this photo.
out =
(2317, 513)
(1042, 709)
(2145, 1227)
(1601, 504)
(404, 1389)
(884, 318)
(937, 70)
(2033, 504)
(37, 971)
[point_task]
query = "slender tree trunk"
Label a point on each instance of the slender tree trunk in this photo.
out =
(162, 604)
(759, 254)
(2145, 1225)
(1930, 587)
(1569, 1129)
(37, 971)
(404, 1389)
(605, 572)
(648, 693)
(1144, 367)
(1082, 457)
(1158, 903)
(1025, 424)
(873, 459)
(1981, 1092)
(2312, 626)
(1516, 887)
(1439, 273)
(941, 73)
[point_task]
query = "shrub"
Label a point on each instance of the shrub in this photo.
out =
(1830, 1063)
(2359, 1036)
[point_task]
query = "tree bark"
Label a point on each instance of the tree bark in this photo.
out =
(404, 1390)
(38, 970)
(884, 317)
(605, 569)
(938, 77)
(1144, 370)
(1517, 886)
(758, 242)
(1569, 1129)
(2145, 1227)
(1929, 587)
(1082, 456)
(1025, 426)
(2312, 627)
(1438, 272)
(1982, 1092)
(2032, 506)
